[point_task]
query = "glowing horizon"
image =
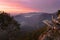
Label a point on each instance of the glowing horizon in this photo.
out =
(14, 8)
(23, 6)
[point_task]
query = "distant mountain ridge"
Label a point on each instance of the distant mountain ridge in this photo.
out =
(33, 21)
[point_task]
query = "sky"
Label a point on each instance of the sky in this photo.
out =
(24, 6)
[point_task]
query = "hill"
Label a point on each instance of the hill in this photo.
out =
(32, 21)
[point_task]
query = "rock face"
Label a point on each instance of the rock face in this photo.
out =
(52, 32)
(50, 35)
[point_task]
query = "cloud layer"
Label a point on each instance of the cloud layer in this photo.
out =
(30, 5)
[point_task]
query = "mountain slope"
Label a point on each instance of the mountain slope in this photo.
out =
(32, 21)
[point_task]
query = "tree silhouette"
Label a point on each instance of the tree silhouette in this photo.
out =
(8, 24)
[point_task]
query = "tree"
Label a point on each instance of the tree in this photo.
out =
(8, 24)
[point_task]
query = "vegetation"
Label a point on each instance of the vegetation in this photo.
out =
(34, 35)
(9, 25)
(12, 29)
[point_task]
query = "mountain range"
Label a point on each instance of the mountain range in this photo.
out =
(33, 21)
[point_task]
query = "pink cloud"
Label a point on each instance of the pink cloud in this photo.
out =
(31, 5)
(13, 6)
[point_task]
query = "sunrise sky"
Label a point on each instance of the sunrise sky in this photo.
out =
(23, 6)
